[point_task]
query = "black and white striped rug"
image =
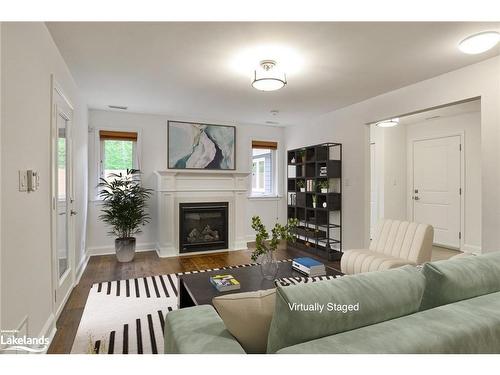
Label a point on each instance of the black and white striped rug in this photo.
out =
(128, 316)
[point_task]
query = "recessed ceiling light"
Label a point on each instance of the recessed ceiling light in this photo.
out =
(388, 123)
(267, 77)
(479, 43)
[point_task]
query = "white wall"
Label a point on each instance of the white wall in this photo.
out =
(153, 150)
(347, 125)
(29, 57)
(1, 240)
(470, 125)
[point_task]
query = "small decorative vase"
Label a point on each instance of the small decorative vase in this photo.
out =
(324, 204)
(268, 266)
(314, 204)
(125, 249)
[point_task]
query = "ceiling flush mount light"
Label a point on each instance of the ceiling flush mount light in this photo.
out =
(388, 123)
(479, 43)
(267, 77)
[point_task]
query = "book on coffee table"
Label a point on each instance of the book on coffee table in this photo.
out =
(309, 267)
(225, 283)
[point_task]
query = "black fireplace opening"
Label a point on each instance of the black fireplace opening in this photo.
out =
(203, 226)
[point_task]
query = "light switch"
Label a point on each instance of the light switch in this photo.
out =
(23, 181)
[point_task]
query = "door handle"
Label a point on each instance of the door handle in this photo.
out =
(416, 198)
(73, 212)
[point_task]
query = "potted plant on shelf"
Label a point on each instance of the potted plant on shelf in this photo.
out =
(302, 156)
(314, 200)
(124, 209)
(323, 185)
(301, 185)
(265, 248)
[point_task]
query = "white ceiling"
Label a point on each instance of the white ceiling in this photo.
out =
(188, 69)
(448, 111)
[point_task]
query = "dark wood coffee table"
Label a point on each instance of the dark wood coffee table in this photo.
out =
(195, 289)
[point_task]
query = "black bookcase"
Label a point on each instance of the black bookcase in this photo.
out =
(314, 197)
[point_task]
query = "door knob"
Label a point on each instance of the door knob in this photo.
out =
(416, 198)
(73, 212)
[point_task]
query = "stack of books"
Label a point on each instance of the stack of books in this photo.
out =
(310, 185)
(322, 171)
(309, 267)
(224, 283)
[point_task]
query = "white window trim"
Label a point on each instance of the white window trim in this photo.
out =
(257, 178)
(97, 167)
(274, 194)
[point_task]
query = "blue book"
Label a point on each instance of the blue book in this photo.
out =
(307, 262)
(309, 266)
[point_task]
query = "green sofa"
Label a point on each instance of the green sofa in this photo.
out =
(450, 306)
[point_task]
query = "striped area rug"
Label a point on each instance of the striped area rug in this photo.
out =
(128, 316)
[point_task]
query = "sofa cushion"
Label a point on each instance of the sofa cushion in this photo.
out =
(381, 296)
(452, 280)
(470, 326)
(247, 317)
(197, 330)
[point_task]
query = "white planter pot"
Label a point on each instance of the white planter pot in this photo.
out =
(302, 190)
(324, 191)
(125, 249)
(314, 205)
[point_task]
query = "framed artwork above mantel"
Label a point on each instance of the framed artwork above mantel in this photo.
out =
(194, 145)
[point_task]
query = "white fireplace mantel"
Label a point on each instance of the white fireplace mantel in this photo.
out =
(175, 187)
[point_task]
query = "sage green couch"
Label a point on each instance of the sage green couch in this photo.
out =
(450, 306)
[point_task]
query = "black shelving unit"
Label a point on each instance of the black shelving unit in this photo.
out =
(314, 195)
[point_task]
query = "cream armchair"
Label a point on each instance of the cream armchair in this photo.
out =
(395, 244)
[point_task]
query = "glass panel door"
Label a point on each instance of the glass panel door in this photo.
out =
(62, 196)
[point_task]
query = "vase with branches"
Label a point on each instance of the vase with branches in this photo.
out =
(124, 209)
(265, 247)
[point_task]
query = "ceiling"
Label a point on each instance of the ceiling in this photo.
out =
(448, 111)
(203, 70)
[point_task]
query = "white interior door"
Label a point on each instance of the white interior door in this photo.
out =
(63, 244)
(437, 187)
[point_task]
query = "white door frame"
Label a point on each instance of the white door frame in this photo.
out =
(57, 281)
(410, 187)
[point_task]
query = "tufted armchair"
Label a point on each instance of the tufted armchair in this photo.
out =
(395, 244)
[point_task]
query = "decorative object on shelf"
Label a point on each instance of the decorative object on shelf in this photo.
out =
(124, 209)
(323, 186)
(301, 185)
(314, 200)
(201, 146)
(265, 248)
(324, 205)
(302, 155)
(268, 77)
(292, 161)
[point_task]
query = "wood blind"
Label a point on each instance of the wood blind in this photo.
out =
(265, 144)
(117, 136)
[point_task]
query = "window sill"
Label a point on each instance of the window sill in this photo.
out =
(265, 197)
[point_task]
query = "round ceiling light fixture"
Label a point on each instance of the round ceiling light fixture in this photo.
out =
(388, 123)
(479, 43)
(267, 77)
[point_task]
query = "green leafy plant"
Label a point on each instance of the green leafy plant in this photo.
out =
(323, 184)
(315, 199)
(280, 232)
(301, 184)
(302, 155)
(124, 203)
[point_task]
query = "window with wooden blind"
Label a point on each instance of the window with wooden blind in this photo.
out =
(118, 152)
(264, 168)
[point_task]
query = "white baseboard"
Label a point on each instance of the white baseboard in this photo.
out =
(81, 267)
(471, 249)
(49, 330)
(109, 250)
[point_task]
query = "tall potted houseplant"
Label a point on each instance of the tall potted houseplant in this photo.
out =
(124, 209)
(265, 247)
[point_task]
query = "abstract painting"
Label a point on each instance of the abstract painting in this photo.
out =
(201, 146)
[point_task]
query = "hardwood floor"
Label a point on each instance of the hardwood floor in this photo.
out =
(106, 268)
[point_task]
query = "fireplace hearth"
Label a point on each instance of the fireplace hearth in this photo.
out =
(203, 226)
